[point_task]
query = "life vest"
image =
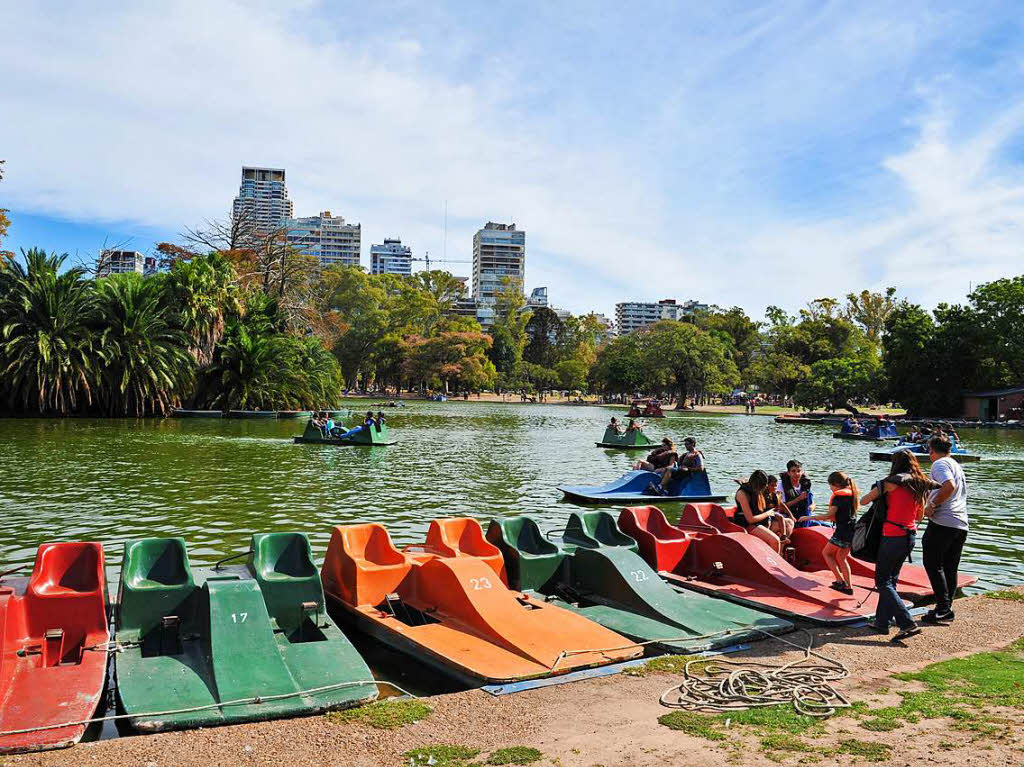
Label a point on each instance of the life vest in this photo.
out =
(789, 493)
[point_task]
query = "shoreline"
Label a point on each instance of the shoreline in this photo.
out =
(611, 720)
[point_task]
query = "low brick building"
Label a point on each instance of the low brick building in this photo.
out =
(993, 405)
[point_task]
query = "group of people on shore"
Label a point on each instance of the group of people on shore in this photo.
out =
(771, 507)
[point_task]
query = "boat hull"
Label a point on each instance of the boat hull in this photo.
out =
(55, 645)
(629, 488)
(887, 454)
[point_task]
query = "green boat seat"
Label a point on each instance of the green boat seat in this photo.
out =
(531, 560)
(282, 564)
(156, 583)
(594, 529)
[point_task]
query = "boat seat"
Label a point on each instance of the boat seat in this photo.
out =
(67, 595)
(531, 560)
(593, 529)
(463, 537)
(647, 524)
(721, 519)
(694, 516)
(282, 564)
(362, 565)
(156, 583)
(694, 483)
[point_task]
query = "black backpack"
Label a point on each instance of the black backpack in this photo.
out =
(867, 531)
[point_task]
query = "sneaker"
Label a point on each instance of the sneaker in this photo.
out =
(878, 629)
(847, 589)
(835, 585)
(934, 617)
(653, 489)
(913, 631)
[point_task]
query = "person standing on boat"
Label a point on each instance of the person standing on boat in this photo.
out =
(906, 490)
(752, 510)
(944, 538)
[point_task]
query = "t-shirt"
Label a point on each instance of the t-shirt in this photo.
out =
(953, 511)
(902, 510)
(843, 501)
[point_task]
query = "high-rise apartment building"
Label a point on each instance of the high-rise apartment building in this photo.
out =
(499, 251)
(262, 200)
(326, 237)
(392, 257)
(123, 262)
(634, 315)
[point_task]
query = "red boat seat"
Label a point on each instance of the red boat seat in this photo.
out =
(464, 537)
(661, 545)
(710, 514)
(66, 594)
(362, 565)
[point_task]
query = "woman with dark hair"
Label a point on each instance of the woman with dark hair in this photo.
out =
(752, 509)
(906, 490)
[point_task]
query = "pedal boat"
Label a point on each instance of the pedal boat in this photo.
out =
(53, 661)
(741, 568)
(629, 488)
(446, 604)
(250, 631)
(596, 572)
(633, 439)
(376, 436)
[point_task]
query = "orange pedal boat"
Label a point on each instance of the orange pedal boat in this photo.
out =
(446, 604)
(53, 656)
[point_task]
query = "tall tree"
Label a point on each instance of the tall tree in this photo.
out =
(545, 330)
(870, 311)
(999, 308)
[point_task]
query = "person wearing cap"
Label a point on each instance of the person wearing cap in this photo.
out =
(691, 461)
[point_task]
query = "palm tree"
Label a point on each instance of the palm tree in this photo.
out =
(252, 370)
(146, 364)
(46, 338)
(320, 371)
(203, 292)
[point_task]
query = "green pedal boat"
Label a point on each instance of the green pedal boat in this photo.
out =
(632, 439)
(249, 643)
(597, 573)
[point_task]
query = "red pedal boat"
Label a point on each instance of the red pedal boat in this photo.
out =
(809, 542)
(53, 660)
(740, 567)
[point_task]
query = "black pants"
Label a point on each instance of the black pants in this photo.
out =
(941, 549)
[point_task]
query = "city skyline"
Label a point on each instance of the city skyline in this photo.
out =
(843, 147)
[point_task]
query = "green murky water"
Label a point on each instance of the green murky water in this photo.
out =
(215, 482)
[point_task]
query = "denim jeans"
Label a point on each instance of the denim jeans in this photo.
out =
(892, 553)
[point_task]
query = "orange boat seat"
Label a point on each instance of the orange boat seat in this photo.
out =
(362, 565)
(464, 537)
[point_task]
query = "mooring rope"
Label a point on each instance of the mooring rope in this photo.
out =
(725, 685)
(193, 709)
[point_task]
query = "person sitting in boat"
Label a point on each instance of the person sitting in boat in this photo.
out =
(691, 461)
(614, 424)
(379, 421)
(663, 456)
(634, 411)
(851, 425)
(752, 510)
(634, 426)
(328, 426)
(794, 489)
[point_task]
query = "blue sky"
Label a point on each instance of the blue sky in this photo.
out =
(738, 153)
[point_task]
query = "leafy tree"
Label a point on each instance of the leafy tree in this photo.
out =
(541, 378)
(999, 308)
(5, 223)
(684, 359)
(252, 370)
(203, 292)
(545, 330)
(777, 372)
(836, 382)
(509, 328)
(572, 375)
(453, 358)
(145, 365)
(620, 368)
(742, 333)
(47, 349)
(870, 311)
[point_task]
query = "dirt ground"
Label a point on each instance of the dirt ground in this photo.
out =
(609, 721)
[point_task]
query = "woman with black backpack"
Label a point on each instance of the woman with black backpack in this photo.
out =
(906, 490)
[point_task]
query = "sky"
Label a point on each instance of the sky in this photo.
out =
(737, 153)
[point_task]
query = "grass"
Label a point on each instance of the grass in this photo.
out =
(383, 714)
(663, 664)
(1006, 594)
(441, 756)
(514, 755)
(962, 689)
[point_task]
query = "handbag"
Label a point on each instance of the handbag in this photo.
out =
(867, 531)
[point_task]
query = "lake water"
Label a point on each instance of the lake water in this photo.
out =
(215, 482)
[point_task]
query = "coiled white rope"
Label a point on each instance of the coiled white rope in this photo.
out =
(725, 685)
(193, 709)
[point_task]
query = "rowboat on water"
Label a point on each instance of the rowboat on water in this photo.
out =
(631, 439)
(874, 432)
(798, 419)
(182, 413)
(740, 567)
(595, 571)
(921, 452)
(692, 487)
(245, 643)
(446, 604)
(53, 656)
